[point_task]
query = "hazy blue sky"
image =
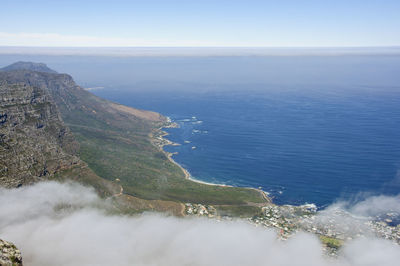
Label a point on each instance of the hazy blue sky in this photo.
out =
(200, 23)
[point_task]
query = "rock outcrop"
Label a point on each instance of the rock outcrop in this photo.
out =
(34, 142)
(9, 254)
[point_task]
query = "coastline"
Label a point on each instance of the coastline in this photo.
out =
(160, 141)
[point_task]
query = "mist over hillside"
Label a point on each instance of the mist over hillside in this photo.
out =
(75, 227)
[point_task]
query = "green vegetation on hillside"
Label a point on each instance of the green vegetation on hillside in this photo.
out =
(331, 242)
(116, 145)
(145, 172)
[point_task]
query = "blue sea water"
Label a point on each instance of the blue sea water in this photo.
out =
(300, 144)
(305, 128)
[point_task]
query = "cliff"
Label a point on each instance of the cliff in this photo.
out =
(34, 142)
(54, 129)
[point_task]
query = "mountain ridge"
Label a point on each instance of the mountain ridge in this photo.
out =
(20, 65)
(115, 145)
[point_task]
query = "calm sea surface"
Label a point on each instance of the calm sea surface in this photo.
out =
(301, 145)
(305, 129)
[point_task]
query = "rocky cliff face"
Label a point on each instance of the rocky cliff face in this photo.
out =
(116, 152)
(78, 106)
(9, 254)
(34, 142)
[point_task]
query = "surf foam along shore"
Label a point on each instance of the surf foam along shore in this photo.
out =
(161, 141)
(373, 224)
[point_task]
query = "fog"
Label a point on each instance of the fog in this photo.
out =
(350, 216)
(376, 205)
(188, 73)
(67, 224)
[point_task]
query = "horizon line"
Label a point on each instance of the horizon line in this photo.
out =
(187, 46)
(137, 51)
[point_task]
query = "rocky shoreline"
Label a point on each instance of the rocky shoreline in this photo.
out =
(290, 219)
(160, 141)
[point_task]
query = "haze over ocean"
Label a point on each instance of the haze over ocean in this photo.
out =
(306, 129)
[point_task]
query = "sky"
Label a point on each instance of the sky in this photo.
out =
(205, 23)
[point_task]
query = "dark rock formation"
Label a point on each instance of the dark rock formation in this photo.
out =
(34, 142)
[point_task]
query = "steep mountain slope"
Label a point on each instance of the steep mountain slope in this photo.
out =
(34, 142)
(36, 145)
(116, 142)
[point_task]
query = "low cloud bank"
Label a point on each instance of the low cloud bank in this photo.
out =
(377, 205)
(369, 205)
(350, 217)
(65, 224)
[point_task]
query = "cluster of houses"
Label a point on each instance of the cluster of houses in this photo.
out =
(200, 210)
(333, 224)
(285, 218)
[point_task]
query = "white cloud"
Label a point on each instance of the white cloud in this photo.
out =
(376, 205)
(61, 224)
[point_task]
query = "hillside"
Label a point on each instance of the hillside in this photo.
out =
(115, 141)
(39, 67)
(34, 141)
(35, 144)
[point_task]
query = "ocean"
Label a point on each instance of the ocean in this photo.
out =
(300, 144)
(314, 129)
